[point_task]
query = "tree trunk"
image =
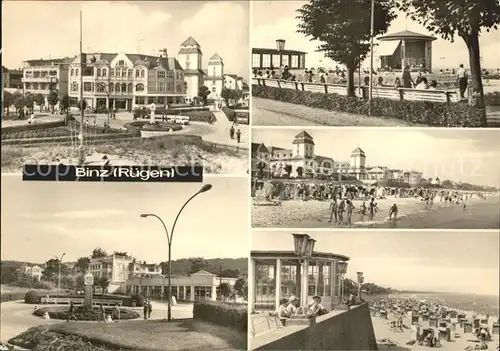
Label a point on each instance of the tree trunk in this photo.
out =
(350, 82)
(472, 42)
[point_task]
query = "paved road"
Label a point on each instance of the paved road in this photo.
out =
(16, 316)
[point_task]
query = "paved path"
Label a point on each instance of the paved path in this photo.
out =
(16, 316)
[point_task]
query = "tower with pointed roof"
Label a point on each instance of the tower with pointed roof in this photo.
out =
(190, 58)
(303, 145)
(215, 76)
(357, 163)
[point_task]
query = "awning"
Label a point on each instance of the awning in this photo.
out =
(387, 48)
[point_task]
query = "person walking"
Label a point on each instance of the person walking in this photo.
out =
(406, 78)
(462, 78)
(71, 312)
(102, 314)
(238, 135)
(116, 313)
(145, 309)
(150, 309)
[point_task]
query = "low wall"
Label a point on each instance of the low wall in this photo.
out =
(349, 330)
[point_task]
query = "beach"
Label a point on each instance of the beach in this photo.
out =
(413, 213)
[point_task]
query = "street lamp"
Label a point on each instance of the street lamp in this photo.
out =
(342, 269)
(59, 275)
(107, 95)
(361, 280)
(203, 189)
(304, 248)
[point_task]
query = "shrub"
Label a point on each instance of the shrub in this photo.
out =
(229, 112)
(82, 313)
(32, 297)
(12, 296)
(420, 112)
(222, 313)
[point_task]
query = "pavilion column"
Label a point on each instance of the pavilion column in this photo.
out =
(251, 285)
(298, 281)
(403, 54)
(277, 279)
(213, 295)
(261, 60)
(333, 273)
(304, 291)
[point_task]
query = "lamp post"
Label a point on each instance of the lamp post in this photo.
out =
(372, 33)
(342, 269)
(203, 189)
(304, 248)
(59, 275)
(107, 96)
(361, 280)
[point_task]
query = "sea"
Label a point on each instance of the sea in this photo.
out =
(479, 214)
(481, 304)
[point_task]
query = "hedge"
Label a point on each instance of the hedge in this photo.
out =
(198, 115)
(33, 297)
(33, 126)
(5, 297)
(420, 112)
(82, 313)
(232, 315)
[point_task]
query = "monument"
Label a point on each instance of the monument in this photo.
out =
(89, 283)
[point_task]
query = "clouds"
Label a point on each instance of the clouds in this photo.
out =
(33, 30)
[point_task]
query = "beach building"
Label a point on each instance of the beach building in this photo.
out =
(33, 271)
(45, 75)
(302, 272)
(268, 59)
(123, 81)
(114, 267)
(413, 178)
(143, 268)
(396, 50)
(201, 285)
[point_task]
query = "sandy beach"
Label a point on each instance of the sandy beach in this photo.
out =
(389, 339)
(315, 214)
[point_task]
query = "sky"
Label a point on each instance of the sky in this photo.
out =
(273, 20)
(43, 29)
(42, 220)
(459, 155)
(459, 262)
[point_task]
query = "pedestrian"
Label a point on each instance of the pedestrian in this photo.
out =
(238, 135)
(145, 309)
(71, 312)
(462, 78)
(406, 78)
(102, 314)
(231, 132)
(150, 309)
(116, 313)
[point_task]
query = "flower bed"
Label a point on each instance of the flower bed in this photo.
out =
(33, 297)
(33, 126)
(82, 313)
(164, 126)
(226, 314)
(418, 112)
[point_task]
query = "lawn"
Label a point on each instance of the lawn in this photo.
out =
(185, 334)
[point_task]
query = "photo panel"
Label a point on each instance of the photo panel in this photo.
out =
(128, 94)
(375, 178)
(107, 257)
(373, 63)
(373, 290)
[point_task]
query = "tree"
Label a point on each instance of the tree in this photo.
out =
(203, 93)
(342, 28)
(82, 264)
(80, 282)
(225, 290)
(226, 95)
(80, 104)
(121, 253)
(40, 100)
(241, 287)
(52, 99)
(103, 282)
(65, 102)
(230, 273)
(198, 264)
(19, 104)
(30, 101)
(465, 18)
(99, 253)
(8, 100)
(9, 274)
(51, 270)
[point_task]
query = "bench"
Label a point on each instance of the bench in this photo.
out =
(79, 301)
(377, 92)
(263, 322)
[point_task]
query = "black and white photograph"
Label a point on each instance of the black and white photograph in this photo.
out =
(379, 63)
(113, 266)
(376, 290)
(375, 178)
(161, 83)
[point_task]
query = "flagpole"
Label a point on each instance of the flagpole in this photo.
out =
(372, 30)
(81, 90)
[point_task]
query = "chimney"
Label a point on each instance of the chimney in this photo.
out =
(280, 44)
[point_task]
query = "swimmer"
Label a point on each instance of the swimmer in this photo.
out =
(393, 211)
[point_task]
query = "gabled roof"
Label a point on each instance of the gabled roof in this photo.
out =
(259, 148)
(406, 34)
(358, 151)
(303, 137)
(323, 158)
(202, 272)
(190, 42)
(216, 57)
(303, 134)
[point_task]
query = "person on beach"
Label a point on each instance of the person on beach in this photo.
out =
(393, 211)
(362, 210)
(333, 209)
(349, 209)
(340, 211)
(373, 208)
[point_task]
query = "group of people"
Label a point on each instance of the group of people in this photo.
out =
(234, 131)
(291, 307)
(345, 205)
(101, 317)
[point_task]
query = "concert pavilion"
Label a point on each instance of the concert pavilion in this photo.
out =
(304, 273)
(399, 49)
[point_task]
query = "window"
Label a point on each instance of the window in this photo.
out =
(256, 60)
(266, 60)
(276, 60)
(160, 74)
(117, 87)
(188, 65)
(129, 73)
(319, 279)
(104, 72)
(137, 73)
(124, 87)
(187, 58)
(139, 87)
(213, 89)
(101, 88)
(214, 72)
(295, 61)
(72, 72)
(284, 60)
(98, 72)
(111, 72)
(121, 63)
(87, 86)
(124, 72)
(143, 72)
(202, 292)
(74, 86)
(111, 87)
(129, 87)
(264, 285)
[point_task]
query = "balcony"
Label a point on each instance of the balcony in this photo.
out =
(39, 79)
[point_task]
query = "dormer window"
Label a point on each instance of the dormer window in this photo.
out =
(121, 63)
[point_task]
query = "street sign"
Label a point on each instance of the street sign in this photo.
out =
(89, 279)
